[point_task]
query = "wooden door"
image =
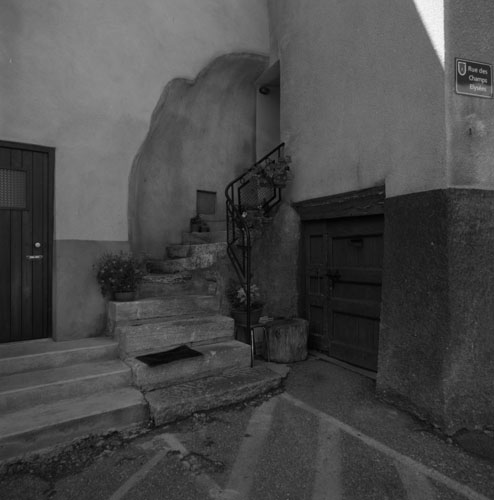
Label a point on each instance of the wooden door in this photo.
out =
(26, 214)
(344, 318)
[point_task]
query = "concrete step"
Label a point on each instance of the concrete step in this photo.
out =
(44, 426)
(182, 400)
(17, 357)
(157, 335)
(160, 307)
(195, 238)
(216, 358)
(23, 390)
(159, 284)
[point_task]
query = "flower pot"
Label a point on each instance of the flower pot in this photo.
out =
(240, 316)
(124, 296)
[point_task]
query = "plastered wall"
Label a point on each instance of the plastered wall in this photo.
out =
(362, 95)
(470, 120)
(84, 77)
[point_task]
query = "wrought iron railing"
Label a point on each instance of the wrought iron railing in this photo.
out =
(243, 196)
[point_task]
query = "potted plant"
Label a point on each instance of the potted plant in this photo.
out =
(119, 275)
(273, 172)
(238, 300)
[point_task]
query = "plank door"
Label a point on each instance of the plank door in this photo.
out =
(344, 317)
(316, 291)
(26, 213)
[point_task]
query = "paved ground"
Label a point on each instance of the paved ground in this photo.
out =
(325, 437)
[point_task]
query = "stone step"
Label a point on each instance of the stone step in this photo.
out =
(158, 335)
(160, 307)
(196, 238)
(180, 258)
(47, 425)
(23, 390)
(158, 284)
(214, 223)
(17, 357)
(216, 358)
(182, 400)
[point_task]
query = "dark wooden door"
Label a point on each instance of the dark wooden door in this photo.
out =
(26, 214)
(343, 287)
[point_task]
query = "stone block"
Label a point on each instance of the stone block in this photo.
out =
(182, 400)
(154, 336)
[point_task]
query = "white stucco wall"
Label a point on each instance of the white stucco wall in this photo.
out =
(470, 120)
(85, 76)
(362, 94)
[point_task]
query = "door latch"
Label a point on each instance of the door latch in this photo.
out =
(34, 257)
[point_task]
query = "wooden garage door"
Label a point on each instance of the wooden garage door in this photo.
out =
(26, 193)
(343, 269)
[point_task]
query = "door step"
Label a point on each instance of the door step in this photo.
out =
(18, 357)
(214, 359)
(182, 400)
(44, 426)
(22, 390)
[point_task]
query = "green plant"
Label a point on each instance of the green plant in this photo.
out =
(238, 297)
(118, 272)
(273, 172)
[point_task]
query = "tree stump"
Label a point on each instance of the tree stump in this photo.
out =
(288, 339)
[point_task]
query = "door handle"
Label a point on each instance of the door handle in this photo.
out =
(34, 257)
(334, 276)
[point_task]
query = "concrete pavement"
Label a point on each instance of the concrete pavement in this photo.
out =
(325, 437)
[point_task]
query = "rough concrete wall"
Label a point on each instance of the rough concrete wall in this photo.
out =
(202, 135)
(470, 120)
(436, 345)
(362, 96)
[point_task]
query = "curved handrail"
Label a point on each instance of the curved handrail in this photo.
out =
(239, 240)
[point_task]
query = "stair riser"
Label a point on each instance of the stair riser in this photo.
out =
(163, 308)
(140, 339)
(52, 435)
(215, 359)
(201, 238)
(30, 396)
(56, 359)
(165, 289)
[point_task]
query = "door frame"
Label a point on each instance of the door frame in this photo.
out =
(351, 204)
(50, 152)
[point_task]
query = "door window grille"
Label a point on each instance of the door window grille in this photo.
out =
(12, 189)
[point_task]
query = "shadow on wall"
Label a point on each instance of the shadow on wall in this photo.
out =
(202, 134)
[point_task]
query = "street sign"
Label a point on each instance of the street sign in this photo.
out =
(473, 78)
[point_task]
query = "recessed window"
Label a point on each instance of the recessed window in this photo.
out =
(12, 189)
(206, 202)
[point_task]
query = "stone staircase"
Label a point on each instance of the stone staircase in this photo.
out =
(52, 392)
(179, 305)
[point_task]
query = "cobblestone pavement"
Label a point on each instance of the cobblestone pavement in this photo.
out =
(325, 437)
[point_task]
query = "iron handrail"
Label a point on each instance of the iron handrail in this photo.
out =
(238, 234)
